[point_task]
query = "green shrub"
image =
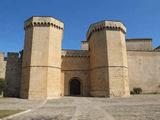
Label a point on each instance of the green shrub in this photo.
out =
(131, 92)
(137, 90)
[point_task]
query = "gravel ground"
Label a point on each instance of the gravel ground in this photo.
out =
(17, 104)
(139, 107)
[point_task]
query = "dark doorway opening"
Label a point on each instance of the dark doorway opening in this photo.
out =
(75, 87)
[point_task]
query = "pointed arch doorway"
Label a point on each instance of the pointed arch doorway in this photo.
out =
(75, 87)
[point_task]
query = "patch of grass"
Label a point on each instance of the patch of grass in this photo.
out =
(4, 113)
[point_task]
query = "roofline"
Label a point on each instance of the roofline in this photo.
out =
(73, 50)
(138, 39)
(158, 47)
(104, 21)
(84, 41)
(42, 16)
(107, 20)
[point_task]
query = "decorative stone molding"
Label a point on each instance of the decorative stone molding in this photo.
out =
(75, 53)
(43, 22)
(105, 25)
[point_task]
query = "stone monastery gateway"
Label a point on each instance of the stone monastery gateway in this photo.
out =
(108, 64)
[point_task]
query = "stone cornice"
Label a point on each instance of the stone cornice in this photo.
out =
(105, 25)
(43, 22)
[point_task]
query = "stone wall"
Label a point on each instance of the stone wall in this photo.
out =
(144, 70)
(75, 64)
(2, 66)
(13, 75)
(139, 44)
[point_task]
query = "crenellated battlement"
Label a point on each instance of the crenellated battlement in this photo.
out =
(42, 21)
(105, 25)
(75, 53)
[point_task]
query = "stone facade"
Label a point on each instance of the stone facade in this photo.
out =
(108, 65)
(75, 65)
(2, 66)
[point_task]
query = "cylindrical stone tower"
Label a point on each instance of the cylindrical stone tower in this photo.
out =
(108, 59)
(41, 66)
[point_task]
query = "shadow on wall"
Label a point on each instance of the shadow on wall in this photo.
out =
(2, 85)
(13, 75)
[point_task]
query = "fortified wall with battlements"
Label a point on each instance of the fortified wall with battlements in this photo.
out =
(108, 64)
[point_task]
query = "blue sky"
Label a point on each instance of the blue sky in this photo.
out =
(141, 17)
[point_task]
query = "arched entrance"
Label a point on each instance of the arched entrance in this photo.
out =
(75, 87)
